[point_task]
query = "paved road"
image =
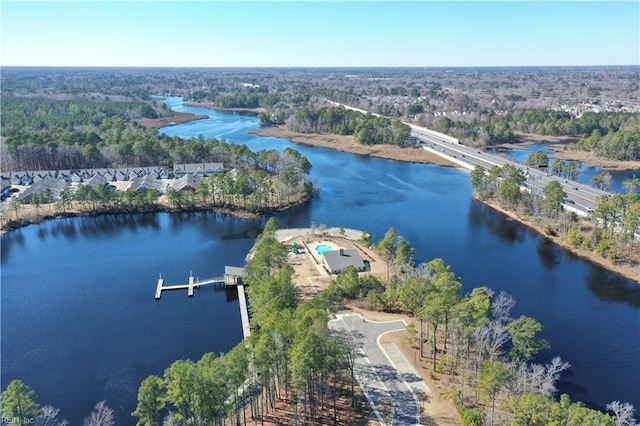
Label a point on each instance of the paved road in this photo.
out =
(581, 198)
(384, 374)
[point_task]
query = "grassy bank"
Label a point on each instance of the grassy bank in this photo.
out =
(629, 268)
(348, 144)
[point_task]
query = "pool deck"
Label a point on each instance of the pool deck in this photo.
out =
(310, 276)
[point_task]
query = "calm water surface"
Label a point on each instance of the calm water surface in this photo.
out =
(79, 322)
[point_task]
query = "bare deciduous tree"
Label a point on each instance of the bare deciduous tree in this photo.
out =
(101, 416)
(537, 378)
(49, 417)
(623, 412)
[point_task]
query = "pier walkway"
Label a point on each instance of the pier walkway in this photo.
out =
(244, 312)
(232, 277)
(193, 283)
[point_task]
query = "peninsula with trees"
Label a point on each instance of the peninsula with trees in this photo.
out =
(66, 149)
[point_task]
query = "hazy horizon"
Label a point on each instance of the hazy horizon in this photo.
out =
(303, 34)
(354, 67)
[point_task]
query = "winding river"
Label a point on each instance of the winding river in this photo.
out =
(80, 324)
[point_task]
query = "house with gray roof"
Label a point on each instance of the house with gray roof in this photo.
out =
(42, 175)
(64, 175)
(124, 175)
(5, 187)
(200, 169)
(233, 275)
(16, 179)
(41, 187)
(146, 183)
(186, 183)
(96, 180)
(336, 261)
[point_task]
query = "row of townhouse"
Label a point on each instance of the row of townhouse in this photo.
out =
(112, 175)
(182, 177)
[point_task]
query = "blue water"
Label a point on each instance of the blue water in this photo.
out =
(79, 322)
(322, 248)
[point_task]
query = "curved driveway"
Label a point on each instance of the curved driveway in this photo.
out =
(382, 370)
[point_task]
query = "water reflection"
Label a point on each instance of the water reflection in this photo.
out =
(108, 325)
(101, 225)
(65, 227)
(550, 253)
(611, 287)
(500, 225)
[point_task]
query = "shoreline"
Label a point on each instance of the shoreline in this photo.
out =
(391, 152)
(331, 141)
(561, 151)
(212, 105)
(174, 119)
(35, 218)
(630, 272)
(348, 144)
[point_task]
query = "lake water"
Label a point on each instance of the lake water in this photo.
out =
(79, 322)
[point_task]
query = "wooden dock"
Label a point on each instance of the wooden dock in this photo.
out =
(244, 312)
(193, 283)
(232, 277)
(159, 288)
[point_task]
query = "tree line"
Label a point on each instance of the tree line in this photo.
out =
(366, 128)
(616, 219)
(34, 114)
(483, 354)
(611, 135)
(276, 179)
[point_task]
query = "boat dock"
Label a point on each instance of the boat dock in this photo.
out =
(232, 277)
(193, 283)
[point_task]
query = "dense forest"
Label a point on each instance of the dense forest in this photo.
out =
(596, 105)
(611, 135)
(366, 128)
(45, 134)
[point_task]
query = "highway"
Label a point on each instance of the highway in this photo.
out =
(581, 199)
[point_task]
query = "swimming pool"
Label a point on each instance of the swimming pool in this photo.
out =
(321, 248)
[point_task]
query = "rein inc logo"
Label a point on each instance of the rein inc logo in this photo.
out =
(17, 421)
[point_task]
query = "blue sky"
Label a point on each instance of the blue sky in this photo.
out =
(331, 34)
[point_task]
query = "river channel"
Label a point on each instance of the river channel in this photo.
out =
(80, 324)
